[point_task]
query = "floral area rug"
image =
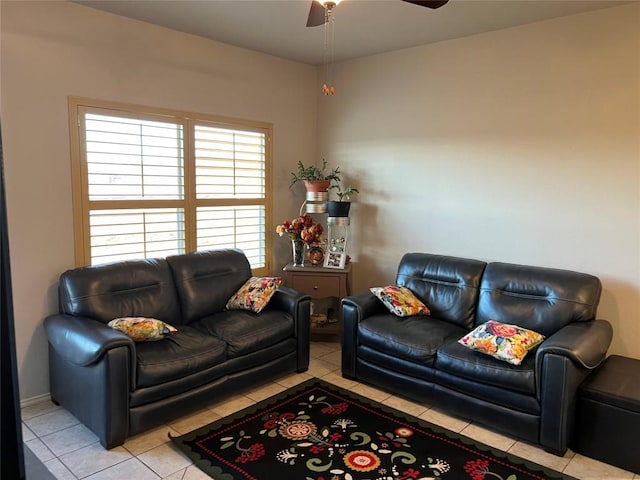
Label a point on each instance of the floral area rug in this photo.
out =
(318, 431)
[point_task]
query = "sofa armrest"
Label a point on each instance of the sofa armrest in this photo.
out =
(355, 309)
(91, 372)
(83, 341)
(563, 361)
(362, 306)
(287, 300)
(298, 305)
(585, 343)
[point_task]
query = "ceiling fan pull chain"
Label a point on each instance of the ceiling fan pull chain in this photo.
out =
(332, 44)
(327, 88)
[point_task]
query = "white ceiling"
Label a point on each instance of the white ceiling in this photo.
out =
(362, 27)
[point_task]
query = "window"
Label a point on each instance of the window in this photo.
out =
(151, 183)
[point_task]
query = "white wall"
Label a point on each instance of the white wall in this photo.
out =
(520, 145)
(50, 50)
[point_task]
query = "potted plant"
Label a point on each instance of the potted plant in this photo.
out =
(340, 208)
(316, 179)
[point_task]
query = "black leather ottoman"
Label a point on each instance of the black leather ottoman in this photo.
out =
(608, 415)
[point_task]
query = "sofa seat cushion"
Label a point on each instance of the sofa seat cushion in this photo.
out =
(185, 353)
(416, 339)
(482, 393)
(458, 360)
(393, 363)
(246, 332)
(234, 367)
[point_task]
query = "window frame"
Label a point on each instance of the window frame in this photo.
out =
(82, 205)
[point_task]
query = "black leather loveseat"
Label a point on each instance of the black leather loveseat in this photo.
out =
(420, 357)
(119, 388)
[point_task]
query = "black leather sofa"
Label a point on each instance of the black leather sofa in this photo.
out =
(420, 357)
(119, 388)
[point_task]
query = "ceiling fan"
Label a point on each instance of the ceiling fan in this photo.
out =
(321, 9)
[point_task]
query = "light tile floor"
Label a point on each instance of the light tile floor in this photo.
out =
(71, 452)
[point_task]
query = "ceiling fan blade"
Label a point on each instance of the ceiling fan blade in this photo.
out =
(316, 14)
(428, 3)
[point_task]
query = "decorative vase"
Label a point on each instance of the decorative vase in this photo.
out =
(298, 252)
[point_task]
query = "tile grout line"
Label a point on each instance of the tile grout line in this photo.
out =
(61, 463)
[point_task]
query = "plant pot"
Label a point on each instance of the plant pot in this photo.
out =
(338, 209)
(317, 185)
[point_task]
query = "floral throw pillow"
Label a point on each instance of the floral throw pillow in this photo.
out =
(400, 301)
(502, 341)
(254, 294)
(143, 329)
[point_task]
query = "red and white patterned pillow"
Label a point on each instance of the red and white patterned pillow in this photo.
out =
(400, 301)
(143, 329)
(255, 294)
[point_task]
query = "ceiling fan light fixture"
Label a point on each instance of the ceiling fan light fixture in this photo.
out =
(329, 5)
(320, 11)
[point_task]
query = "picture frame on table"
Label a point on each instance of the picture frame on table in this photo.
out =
(335, 260)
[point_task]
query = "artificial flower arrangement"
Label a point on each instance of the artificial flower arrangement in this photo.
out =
(302, 228)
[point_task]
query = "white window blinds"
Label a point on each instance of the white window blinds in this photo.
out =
(152, 185)
(134, 159)
(229, 163)
(136, 233)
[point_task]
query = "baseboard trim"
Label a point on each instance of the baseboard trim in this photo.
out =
(27, 402)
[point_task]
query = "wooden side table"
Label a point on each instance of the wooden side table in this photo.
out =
(321, 283)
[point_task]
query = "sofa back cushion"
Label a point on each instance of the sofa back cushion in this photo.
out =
(448, 286)
(132, 288)
(206, 280)
(537, 298)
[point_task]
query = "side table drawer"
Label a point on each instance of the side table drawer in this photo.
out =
(317, 286)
